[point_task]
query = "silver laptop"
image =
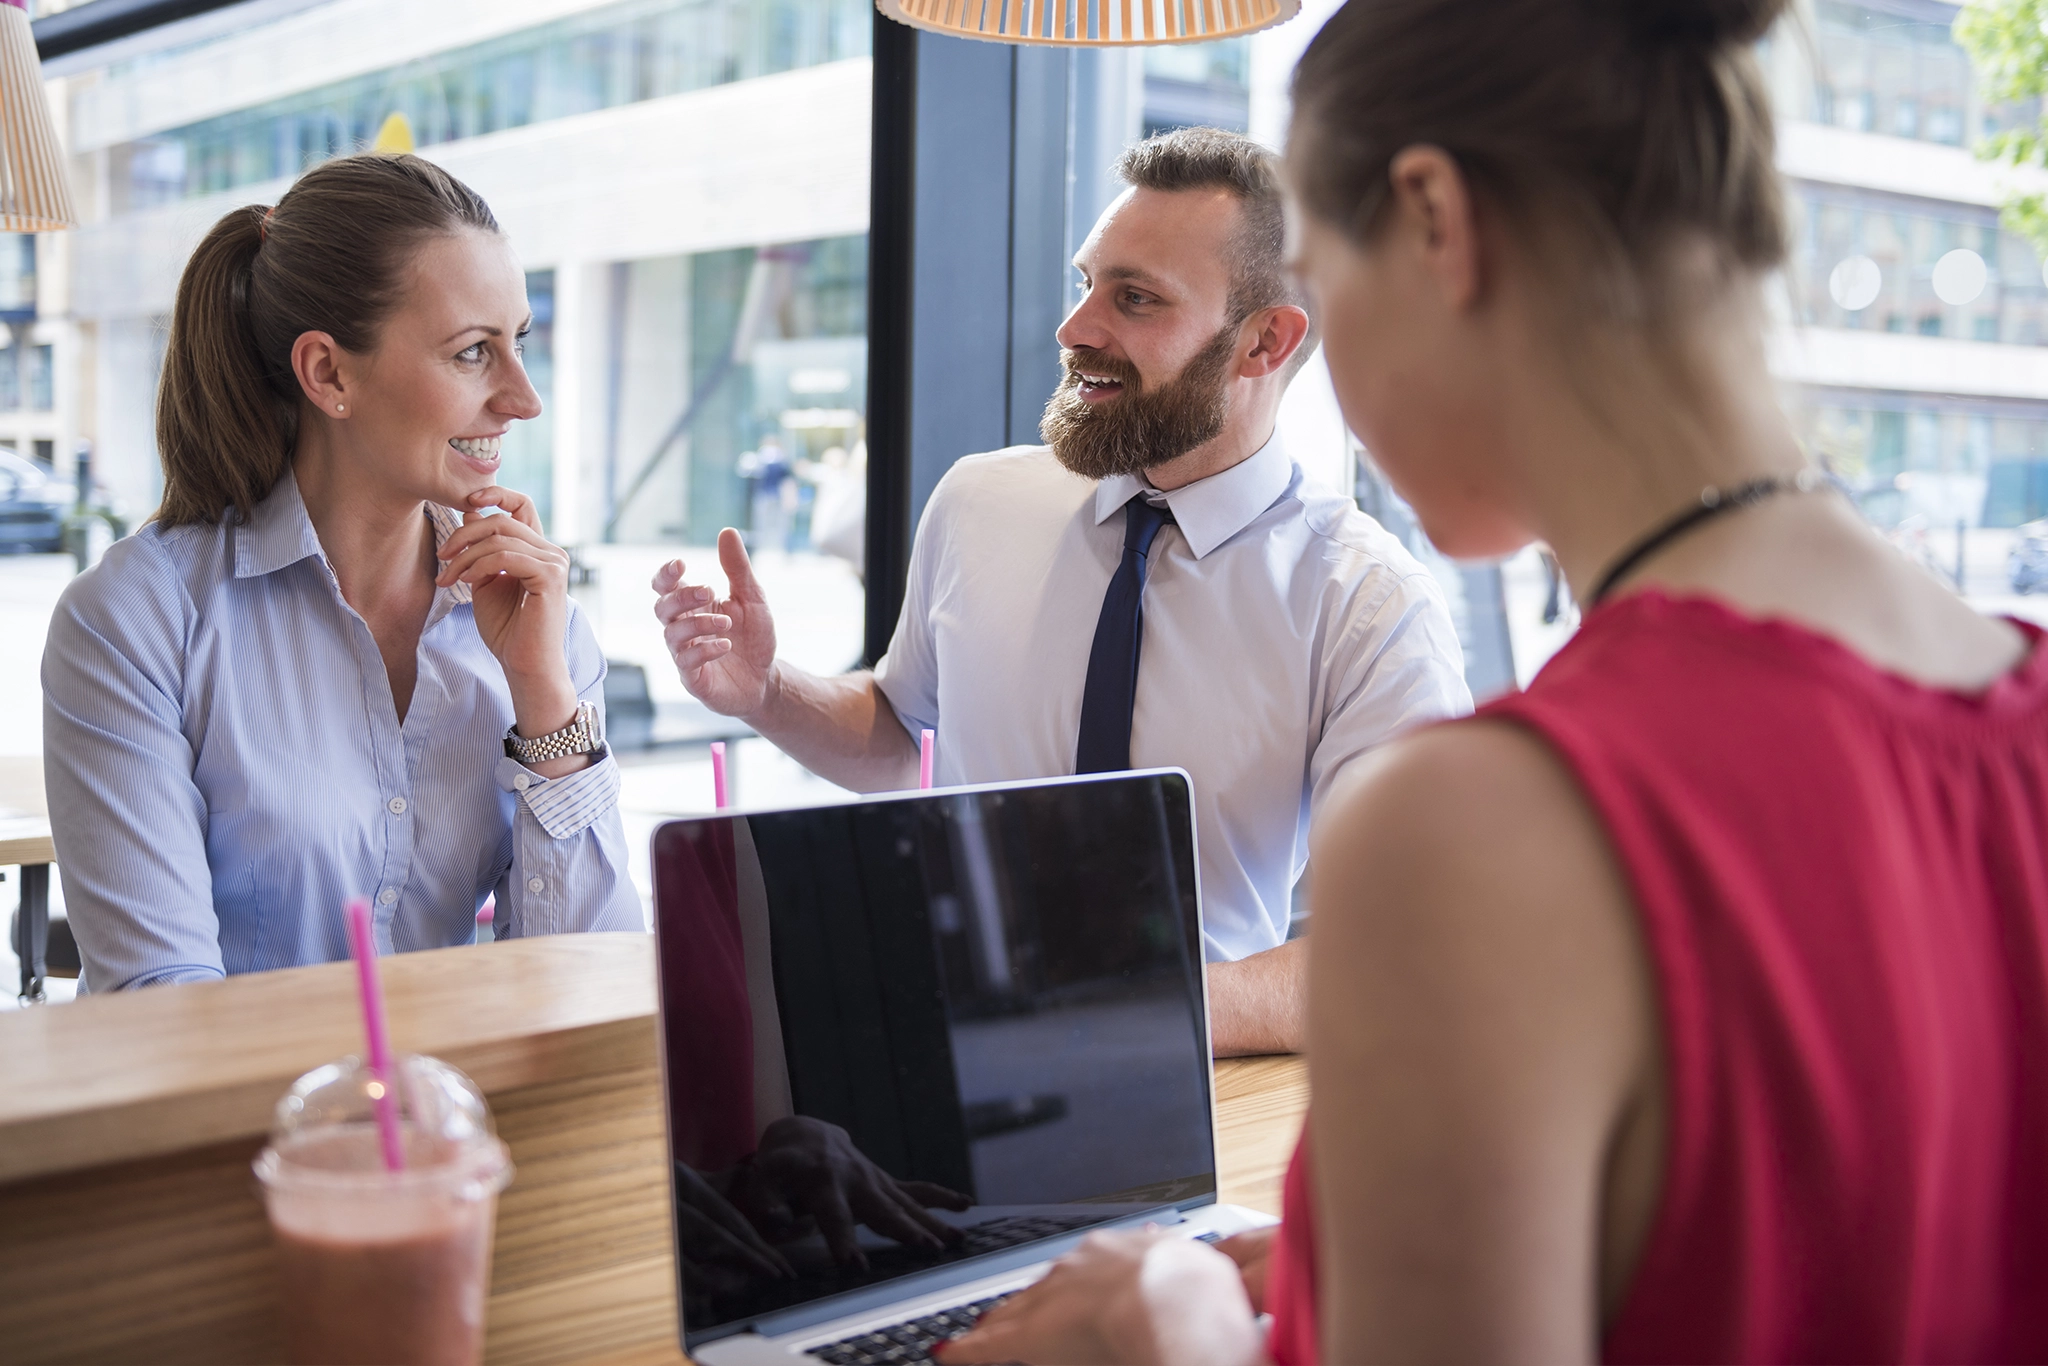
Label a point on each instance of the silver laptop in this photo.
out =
(916, 1046)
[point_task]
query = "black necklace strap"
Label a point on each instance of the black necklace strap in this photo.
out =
(1712, 503)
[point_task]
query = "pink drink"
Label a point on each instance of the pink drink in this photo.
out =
(380, 1266)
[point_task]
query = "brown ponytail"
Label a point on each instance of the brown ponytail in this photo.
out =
(1623, 124)
(331, 257)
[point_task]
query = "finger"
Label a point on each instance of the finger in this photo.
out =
(534, 575)
(695, 659)
(494, 524)
(687, 598)
(514, 502)
(1249, 1246)
(935, 1228)
(835, 1221)
(994, 1337)
(936, 1197)
(499, 546)
(695, 649)
(476, 527)
(709, 1240)
(977, 1344)
(739, 570)
(881, 1211)
(667, 577)
(460, 555)
(695, 626)
(736, 1224)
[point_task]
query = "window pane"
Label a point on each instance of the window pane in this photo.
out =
(685, 183)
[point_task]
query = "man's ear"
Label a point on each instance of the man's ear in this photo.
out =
(1275, 334)
(323, 372)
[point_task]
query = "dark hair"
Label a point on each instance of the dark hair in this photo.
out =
(1629, 124)
(1210, 158)
(331, 257)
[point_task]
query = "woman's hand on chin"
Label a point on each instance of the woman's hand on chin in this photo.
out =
(519, 585)
(1150, 1297)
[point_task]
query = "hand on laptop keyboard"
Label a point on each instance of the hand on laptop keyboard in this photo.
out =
(1121, 1296)
(807, 1167)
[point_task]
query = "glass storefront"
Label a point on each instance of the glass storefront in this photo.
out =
(1942, 461)
(742, 396)
(614, 56)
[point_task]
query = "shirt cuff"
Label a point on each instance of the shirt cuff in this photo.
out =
(564, 806)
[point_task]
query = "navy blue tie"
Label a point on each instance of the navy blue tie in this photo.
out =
(1112, 687)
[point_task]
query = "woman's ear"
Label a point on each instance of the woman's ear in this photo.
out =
(1433, 207)
(321, 366)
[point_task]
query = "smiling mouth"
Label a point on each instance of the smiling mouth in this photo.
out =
(1096, 387)
(481, 451)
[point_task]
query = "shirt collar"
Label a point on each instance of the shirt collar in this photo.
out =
(1210, 511)
(279, 533)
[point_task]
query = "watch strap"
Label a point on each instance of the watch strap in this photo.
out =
(580, 736)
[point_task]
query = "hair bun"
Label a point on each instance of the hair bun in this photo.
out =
(1698, 23)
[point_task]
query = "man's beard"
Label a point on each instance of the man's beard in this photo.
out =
(1137, 430)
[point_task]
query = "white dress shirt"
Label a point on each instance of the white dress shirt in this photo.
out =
(1285, 634)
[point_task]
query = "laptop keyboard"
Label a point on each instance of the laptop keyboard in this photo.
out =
(905, 1343)
(913, 1341)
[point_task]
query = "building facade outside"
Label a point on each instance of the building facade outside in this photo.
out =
(687, 183)
(1915, 344)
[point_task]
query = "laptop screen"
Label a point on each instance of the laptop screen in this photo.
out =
(924, 1030)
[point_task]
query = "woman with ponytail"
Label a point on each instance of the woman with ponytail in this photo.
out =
(341, 660)
(1692, 1005)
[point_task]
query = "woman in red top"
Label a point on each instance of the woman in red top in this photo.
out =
(1694, 1005)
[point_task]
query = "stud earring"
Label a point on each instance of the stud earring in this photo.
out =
(341, 407)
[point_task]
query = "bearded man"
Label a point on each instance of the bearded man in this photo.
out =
(1283, 632)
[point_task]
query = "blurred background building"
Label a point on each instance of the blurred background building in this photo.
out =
(687, 182)
(1918, 345)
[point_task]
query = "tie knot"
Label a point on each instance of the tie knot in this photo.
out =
(1141, 524)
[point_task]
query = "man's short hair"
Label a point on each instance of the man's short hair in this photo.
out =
(1210, 158)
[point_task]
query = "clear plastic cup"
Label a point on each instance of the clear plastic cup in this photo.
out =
(381, 1266)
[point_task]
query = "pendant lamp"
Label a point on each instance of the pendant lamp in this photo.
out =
(35, 194)
(395, 135)
(1091, 23)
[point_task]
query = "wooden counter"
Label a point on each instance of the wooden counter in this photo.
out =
(130, 1227)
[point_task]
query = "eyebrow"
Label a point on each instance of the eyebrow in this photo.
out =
(1131, 275)
(488, 330)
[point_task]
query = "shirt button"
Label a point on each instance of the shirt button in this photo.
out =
(534, 884)
(386, 897)
(522, 782)
(396, 806)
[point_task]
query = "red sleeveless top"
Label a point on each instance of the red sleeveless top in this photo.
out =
(1843, 880)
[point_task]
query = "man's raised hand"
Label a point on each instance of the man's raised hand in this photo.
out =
(724, 650)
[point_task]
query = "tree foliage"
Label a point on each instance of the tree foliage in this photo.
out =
(2007, 41)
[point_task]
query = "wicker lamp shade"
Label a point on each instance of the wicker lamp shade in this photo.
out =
(35, 195)
(1091, 23)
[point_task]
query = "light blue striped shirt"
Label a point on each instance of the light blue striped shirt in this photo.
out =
(225, 766)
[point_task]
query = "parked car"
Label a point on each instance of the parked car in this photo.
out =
(2028, 563)
(33, 507)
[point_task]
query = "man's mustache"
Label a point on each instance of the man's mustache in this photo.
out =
(1080, 361)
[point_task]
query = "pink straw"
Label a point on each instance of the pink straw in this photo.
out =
(924, 758)
(718, 773)
(365, 950)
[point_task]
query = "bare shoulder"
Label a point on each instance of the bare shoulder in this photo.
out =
(1472, 802)
(1460, 872)
(1481, 1028)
